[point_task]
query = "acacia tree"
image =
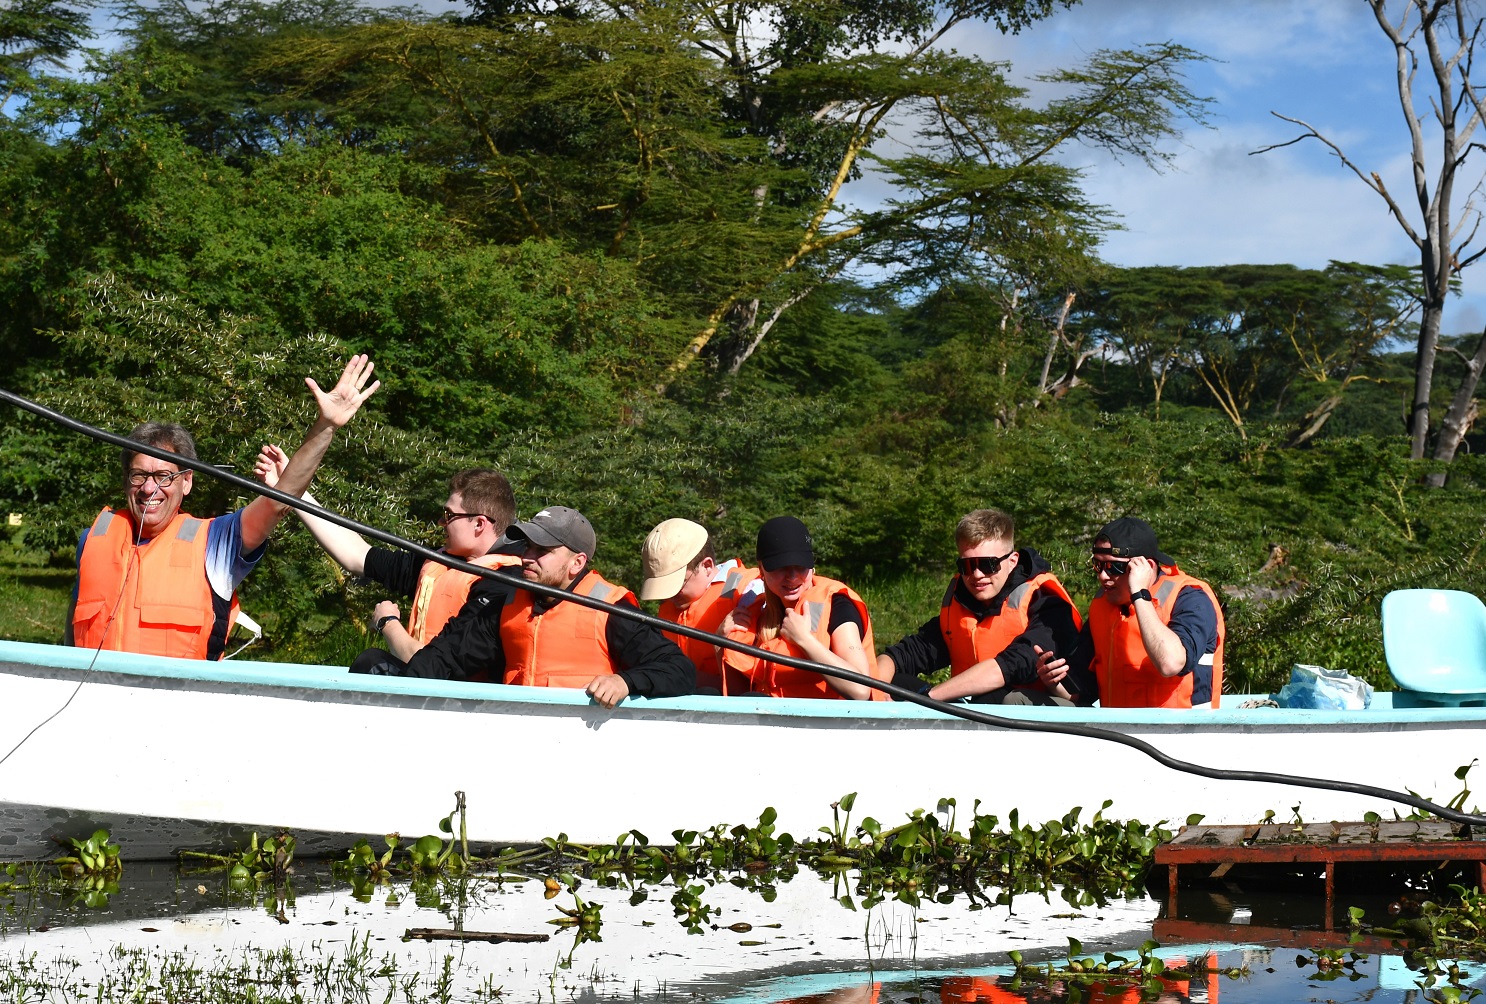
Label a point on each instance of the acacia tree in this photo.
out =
(655, 132)
(1441, 36)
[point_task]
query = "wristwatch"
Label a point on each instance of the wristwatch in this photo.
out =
(382, 621)
(1141, 594)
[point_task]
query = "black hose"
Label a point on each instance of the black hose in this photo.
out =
(901, 693)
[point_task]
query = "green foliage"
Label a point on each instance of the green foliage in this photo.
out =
(93, 857)
(1147, 975)
(925, 859)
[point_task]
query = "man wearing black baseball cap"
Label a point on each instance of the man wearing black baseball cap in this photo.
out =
(545, 642)
(1157, 633)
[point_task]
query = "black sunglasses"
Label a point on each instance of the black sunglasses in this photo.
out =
(986, 566)
(450, 516)
(1114, 568)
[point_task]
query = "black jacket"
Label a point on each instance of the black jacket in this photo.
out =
(1051, 624)
(652, 664)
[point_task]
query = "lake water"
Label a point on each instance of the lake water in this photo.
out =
(171, 935)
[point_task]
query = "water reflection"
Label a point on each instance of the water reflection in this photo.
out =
(798, 945)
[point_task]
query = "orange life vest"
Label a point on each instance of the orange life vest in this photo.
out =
(1127, 677)
(706, 613)
(977, 990)
(971, 639)
(783, 681)
(442, 591)
(566, 645)
(159, 590)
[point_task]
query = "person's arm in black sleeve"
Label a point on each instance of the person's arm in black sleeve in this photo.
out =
(470, 642)
(1050, 626)
(652, 664)
(397, 570)
(921, 653)
(1081, 682)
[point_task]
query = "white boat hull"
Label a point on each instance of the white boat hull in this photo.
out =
(306, 748)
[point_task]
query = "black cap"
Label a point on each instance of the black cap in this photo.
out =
(783, 541)
(1130, 537)
(554, 525)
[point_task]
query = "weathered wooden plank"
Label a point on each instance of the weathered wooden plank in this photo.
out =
(447, 934)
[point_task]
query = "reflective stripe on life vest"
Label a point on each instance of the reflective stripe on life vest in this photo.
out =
(1127, 676)
(442, 591)
(565, 645)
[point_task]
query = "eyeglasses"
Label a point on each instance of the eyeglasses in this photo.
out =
(162, 478)
(450, 516)
(1114, 569)
(987, 565)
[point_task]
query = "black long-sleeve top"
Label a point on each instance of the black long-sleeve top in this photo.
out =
(470, 644)
(1051, 624)
(396, 570)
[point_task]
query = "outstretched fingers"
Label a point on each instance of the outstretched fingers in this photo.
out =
(341, 402)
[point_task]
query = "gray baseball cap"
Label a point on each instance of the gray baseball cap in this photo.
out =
(557, 525)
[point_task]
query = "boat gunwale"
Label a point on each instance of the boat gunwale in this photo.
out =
(309, 682)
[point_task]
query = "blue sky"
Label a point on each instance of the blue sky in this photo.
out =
(1325, 61)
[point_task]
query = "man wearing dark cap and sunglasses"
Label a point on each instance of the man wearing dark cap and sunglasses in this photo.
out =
(537, 641)
(1002, 608)
(1156, 633)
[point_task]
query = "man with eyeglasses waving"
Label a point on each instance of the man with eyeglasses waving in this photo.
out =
(1156, 633)
(1001, 609)
(152, 579)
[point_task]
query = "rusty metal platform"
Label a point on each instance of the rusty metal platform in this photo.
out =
(1329, 844)
(1196, 932)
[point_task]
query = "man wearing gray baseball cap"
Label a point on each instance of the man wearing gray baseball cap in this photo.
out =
(540, 641)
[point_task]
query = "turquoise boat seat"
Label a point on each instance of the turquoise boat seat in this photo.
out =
(1435, 643)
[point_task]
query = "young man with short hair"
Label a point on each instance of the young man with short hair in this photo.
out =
(1001, 608)
(540, 641)
(476, 514)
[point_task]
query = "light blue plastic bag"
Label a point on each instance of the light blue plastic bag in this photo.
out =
(1324, 690)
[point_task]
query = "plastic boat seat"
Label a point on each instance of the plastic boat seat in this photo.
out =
(1435, 643)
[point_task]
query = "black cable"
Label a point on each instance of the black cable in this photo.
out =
(958, 711)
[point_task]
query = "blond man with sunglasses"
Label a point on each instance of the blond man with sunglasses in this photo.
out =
(1003, 607)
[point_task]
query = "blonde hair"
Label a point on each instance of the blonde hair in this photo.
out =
(985, 524)
(768, 618)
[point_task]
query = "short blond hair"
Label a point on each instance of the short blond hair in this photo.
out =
(985, 524)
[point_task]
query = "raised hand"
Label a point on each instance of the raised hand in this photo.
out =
(341, 402)
(1143, 572)
(270, 464)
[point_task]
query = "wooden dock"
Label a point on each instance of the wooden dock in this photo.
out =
(1423, 842)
